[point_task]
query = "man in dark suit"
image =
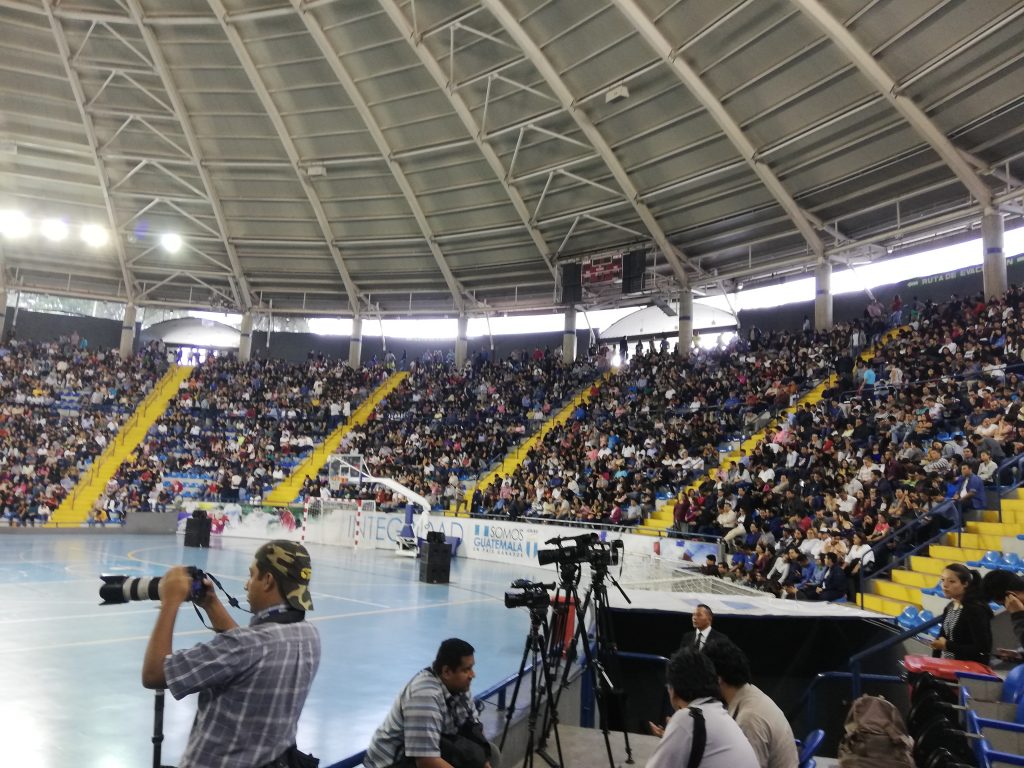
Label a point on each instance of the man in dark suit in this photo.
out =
(702, 632)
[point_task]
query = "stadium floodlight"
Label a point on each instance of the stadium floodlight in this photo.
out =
(54, 230)
(171, 242)
(94, 235)
(14, 225)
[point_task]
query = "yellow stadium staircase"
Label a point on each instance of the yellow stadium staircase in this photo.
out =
(289, 488)
(995, 532)
(515, 457)
(661, 520)
(75, 508)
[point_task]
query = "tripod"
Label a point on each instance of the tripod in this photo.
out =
(541, 685)
(604, 641)
(158, 726)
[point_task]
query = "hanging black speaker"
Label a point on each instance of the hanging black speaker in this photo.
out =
(633, 265)
(571, 284)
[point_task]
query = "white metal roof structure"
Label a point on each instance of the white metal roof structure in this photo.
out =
(431, 157)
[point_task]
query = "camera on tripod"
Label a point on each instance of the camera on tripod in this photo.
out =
(606, 553)
(585, 548)
(568, 549)
(121, 589)
(528, 594)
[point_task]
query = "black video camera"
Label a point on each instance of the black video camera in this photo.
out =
(606, 553)
(120, 589)
(568, 549)
(528, 594)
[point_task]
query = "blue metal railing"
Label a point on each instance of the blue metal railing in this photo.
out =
(856, 676)
(947, 509)
(808, 699)
(1008, 477)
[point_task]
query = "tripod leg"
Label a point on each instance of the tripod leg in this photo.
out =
(605, 641)
(158, 726)
(511, 708)
(552, 712)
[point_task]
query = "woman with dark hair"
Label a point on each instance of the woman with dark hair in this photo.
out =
(966, 634)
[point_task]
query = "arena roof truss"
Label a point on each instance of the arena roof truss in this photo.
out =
(442, 157)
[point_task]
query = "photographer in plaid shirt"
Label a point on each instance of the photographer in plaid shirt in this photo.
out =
(252, 681)
(435, 703)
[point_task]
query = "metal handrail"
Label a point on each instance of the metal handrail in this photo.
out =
(856, 675)
(1014, 464)
(915, 525)
(808, 694)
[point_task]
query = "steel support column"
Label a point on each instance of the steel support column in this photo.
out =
(569, 336)
(245, 338)
(355, 343)
(823, 296)
(127, 332)
(685, 342)
(993, 268)
(462, 342)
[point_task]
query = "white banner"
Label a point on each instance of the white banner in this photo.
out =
(504, 541)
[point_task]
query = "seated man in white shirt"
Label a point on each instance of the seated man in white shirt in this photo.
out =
(694, 692)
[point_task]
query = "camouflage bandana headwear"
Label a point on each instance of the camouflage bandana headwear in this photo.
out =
(289, 562)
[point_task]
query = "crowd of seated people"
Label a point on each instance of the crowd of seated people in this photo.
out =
(444, 425)
(236, 429)
(902, 449)
(656, 425)
(61, 403)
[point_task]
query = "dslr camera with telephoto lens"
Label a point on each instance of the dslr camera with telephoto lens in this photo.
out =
(117, 588)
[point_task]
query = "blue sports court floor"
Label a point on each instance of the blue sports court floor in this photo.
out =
(70, 690)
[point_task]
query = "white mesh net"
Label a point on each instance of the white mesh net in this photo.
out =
(653, 572)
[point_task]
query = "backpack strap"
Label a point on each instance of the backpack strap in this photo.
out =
(700, 738)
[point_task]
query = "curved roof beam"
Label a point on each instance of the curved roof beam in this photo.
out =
(843, 39)
(289, 147)
(173, 95)
(94, 145)
(464, 114)
(340, 72)
(650, 33)
(673, 255)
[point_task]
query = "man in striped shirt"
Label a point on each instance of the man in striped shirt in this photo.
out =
(435, 702)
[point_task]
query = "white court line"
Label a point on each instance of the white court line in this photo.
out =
(4, 622)
(111, 641)
(131, 556)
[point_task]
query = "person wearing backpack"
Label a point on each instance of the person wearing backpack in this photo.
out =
(700, 732)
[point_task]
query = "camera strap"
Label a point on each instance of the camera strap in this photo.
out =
(232, 601)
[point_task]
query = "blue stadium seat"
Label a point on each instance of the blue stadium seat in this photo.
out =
(809, 746)
(935, 591)
(1010, 561)
(907, 619)
(990, 560)
(1013, 685)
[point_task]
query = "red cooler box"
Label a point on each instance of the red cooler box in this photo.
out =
(944, 669)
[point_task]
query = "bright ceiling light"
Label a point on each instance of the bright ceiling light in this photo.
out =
(54, 230)
(94, 235)
(14, 225)
(171, 242)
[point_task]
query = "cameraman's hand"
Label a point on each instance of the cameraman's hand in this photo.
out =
(220, 619)
(175, 586)
(209, 599)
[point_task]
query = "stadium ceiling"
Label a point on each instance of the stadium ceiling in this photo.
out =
(404, 157)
